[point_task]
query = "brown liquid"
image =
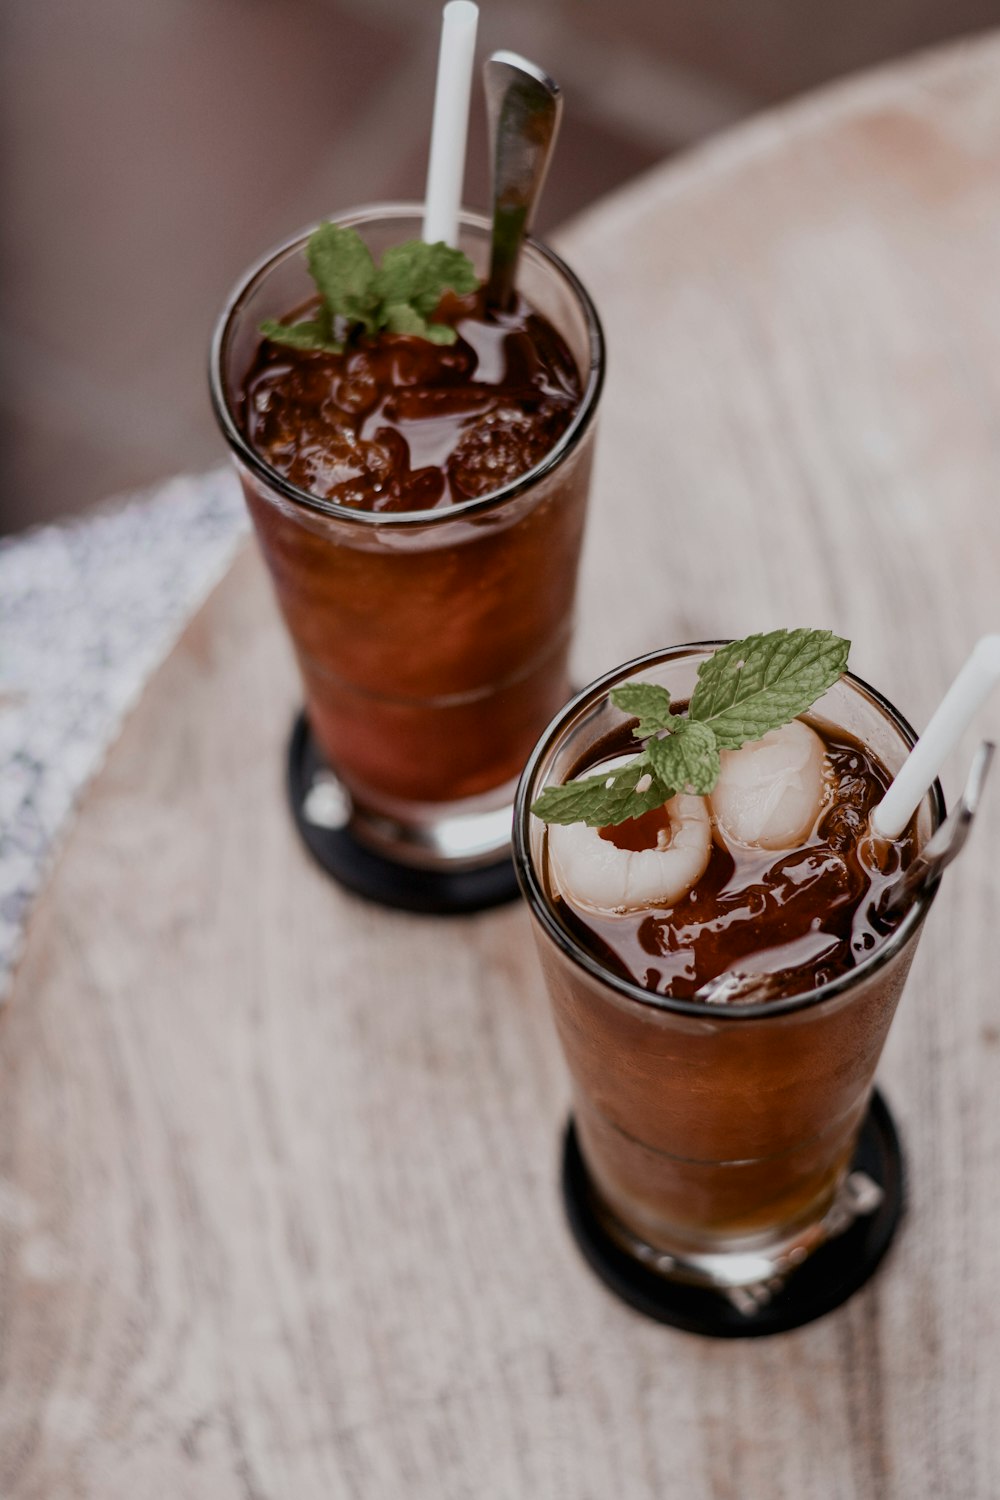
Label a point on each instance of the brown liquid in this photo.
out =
(432, 655)
(802, 916)
(726, 1132)
(398, 423)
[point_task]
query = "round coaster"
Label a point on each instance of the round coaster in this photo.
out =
(370, 874)
(825, 1279)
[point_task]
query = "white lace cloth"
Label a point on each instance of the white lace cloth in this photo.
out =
(87, 611)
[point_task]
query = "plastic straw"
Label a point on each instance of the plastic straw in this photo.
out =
(446, 168)
(957, 709)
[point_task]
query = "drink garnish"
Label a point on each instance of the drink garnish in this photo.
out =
(743, 690)
(398, 295)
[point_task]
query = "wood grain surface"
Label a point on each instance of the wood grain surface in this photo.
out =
(278, 1203)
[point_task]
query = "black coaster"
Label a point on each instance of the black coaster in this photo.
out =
(825, 1279)
(375, 876)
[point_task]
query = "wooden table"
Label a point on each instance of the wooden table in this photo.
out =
(278, 1204)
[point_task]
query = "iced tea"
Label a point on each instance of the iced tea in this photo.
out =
(421, 511)
(722, 1048)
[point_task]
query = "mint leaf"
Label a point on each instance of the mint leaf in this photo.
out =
(400, 317)
(314, 334)
(399, 295)
(743, 690)
(418, 273)
(341, 265)
(440, 333)
(649, 703)
(751, 686)
(687, 759)
(602, 801)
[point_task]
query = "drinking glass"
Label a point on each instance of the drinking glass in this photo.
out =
(715, 1136)
(432, 644)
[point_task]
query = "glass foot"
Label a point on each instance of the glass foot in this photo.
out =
(853, 1238)
(459, 864)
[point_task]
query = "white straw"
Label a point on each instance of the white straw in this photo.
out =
(446, 168)
(957, 709)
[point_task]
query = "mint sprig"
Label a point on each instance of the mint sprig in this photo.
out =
(398, 295)
(743, 690)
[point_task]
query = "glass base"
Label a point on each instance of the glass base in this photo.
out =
(453, 864)
(753, 1295)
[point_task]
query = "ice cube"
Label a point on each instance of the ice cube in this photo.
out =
(343, 467)
(496, 449)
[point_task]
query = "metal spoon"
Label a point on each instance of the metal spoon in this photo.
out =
(524, 106)
(949, 840)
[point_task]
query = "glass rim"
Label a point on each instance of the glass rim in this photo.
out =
(540, 907)
(258, 466)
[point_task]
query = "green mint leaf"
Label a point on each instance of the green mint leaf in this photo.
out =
(440, 333)
(312, 335)
(418, 273)
(400, 317)
(341, 265)
(760, 683)
(602, 801)
(743, 690)
(649, 703)
(687, 759)
(399, 296)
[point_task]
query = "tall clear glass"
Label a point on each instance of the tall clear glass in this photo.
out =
(716, 1136)
(432, 644)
